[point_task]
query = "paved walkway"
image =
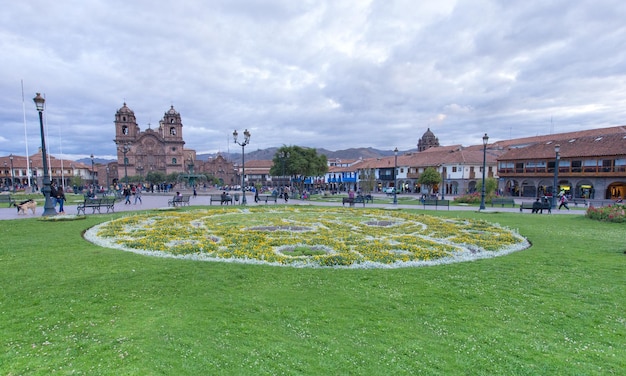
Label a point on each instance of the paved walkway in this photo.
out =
(157, 200)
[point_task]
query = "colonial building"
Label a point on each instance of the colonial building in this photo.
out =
(18, 172)
(160, 150)
(591, 164)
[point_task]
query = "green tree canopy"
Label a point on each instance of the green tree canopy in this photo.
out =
(429, 178)
(155, 177)
(367, 179)
(490, 185)
(298, 162)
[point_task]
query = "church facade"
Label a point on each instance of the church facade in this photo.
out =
(153, 150)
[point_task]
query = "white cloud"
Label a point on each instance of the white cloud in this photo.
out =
(331, 74)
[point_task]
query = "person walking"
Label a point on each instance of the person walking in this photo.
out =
(60, 196)
(138, 195)
(563, 202)
(126, 195)
(57, 194)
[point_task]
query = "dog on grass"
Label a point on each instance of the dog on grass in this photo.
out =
(24, 206)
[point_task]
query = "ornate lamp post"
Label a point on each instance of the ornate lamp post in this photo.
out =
(482, 193)
(443, 182)
(12, 173)
(125, 149)
(48, 206)
(557, 149)
(32, 176)
(5, 173)
(246, 141)
(395, 179)
(107, 178)
(93, 175)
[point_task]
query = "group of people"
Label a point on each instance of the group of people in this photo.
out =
(58, 195)
(131, 190)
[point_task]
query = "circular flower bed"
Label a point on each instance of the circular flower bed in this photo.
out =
(308, 236)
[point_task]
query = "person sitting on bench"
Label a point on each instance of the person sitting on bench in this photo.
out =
(537, 206)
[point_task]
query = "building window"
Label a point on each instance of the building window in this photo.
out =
(620, 165)
(173, 131)
(590, 165)
(125, 130)
(173, 160)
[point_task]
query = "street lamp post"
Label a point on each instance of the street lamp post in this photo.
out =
(32, 177)
(93, 176)
(443, 182)
(246, 141)
(395, 176)
(557, 149)
(125, 149)
(5, 173)
(107, 178)
(482, 193)
(48, 206)
(12, 173)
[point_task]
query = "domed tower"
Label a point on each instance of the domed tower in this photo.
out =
(171, 129)
(428, 140)
(126, 132)
(172, 126)
(126, 128)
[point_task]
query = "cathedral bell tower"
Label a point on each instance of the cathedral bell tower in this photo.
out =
(172, 126)
(126, 128)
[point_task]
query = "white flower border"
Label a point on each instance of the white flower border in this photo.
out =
(465, 255)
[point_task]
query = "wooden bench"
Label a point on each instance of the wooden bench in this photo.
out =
(268, 198)
(8, 199)
(228, 199)
(436, 203)
(96, 204)
(503, 201)
(360, 199)
(536, 207)
(179, 201)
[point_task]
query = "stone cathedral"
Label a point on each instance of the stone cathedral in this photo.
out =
(140, 152)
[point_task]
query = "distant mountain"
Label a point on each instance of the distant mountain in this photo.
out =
(96, 161)
(268, 154)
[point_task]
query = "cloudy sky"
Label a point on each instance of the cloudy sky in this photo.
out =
(328, 74)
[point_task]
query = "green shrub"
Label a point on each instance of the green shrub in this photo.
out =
(612, 213)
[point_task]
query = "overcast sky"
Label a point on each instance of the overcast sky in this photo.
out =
(326, 74)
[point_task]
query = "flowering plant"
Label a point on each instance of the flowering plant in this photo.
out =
(322, 237)
(611, 213)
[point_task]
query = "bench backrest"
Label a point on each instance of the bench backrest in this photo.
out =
(436, 202)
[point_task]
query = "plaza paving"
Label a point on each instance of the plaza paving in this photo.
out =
(159, 200)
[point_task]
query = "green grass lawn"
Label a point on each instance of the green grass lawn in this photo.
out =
(558, 308)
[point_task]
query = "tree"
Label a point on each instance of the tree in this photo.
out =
(490, 185)
(155, 177)
(299, 162)
(429, 177)
(367, 179)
